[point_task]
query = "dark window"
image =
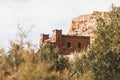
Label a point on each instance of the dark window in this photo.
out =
(69, 44)
(79, 45)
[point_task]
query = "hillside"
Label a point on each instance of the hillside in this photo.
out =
(84, 25)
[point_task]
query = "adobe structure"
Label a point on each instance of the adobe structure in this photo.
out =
(65, 43)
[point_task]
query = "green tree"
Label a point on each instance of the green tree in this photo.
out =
(47, 53)
(105, 53)
(103, 56)
(106, 49)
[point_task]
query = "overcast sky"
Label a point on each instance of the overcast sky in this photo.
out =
(45, 15)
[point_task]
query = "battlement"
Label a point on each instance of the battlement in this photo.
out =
(43, 38)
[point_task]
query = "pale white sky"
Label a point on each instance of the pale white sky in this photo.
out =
(45, 15)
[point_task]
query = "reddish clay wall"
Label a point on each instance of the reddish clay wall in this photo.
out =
(74, 42)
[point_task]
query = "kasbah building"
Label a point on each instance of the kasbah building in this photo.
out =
(65, 43)
(68, 44)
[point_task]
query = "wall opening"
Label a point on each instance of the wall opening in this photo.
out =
(68, 44)
(79, 45)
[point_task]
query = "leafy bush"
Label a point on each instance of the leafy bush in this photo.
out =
(103, 57)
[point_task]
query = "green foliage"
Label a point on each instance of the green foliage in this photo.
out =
(81, 66)
(48, 54)
(106, 49)
(103, 57)
(60, 64)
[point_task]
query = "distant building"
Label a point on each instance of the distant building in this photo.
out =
(65, 43)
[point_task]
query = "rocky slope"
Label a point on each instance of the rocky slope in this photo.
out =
(85, 24)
